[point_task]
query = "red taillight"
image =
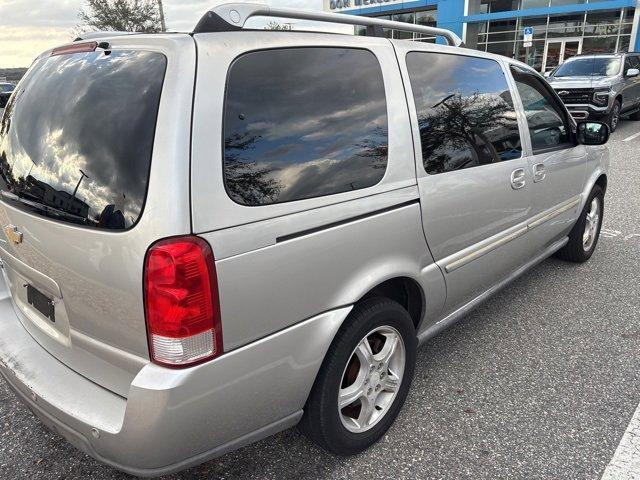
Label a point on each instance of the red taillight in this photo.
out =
(75, 48)
(181, 302)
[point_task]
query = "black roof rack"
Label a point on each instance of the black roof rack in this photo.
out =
(232, 16)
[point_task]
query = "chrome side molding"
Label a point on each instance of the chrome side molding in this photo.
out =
(483, 248)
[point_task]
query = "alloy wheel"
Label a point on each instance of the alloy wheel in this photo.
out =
(371, 379)
(591, 225)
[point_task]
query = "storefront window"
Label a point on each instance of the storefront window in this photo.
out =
(387, 33)
(532, 55)
(502, 26)
(501, 48)
(404, 18)
(557, 3)
(501, 5)
(534, 4)
(565, 26)
(502, 30)
(539, 25)
(627, 16)
(428, 18)
(623, 44)
(602, 23)
(599, 44)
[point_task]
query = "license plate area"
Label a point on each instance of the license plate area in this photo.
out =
(41, 303)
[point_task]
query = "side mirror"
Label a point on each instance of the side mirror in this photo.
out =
(547, 74)
(632, 72)
(593, 133)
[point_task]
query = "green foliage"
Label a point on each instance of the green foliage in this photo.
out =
(120, 15)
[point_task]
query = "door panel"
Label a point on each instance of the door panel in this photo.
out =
(631, 93)
(468, 147)
(557, 164)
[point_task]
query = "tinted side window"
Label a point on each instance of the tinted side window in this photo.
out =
(465, 111)
(545, 116)
(630, 62)
(302, 123)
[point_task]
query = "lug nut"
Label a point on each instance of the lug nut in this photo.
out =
(378, 388)
(369, 391)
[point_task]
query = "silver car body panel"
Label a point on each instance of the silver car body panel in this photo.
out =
(343, 262)
(288, 273)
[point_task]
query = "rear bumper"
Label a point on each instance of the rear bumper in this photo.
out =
(171, 419)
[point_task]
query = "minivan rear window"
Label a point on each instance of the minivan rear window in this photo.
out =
(77, 137)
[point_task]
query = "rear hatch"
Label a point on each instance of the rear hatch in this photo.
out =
(84, 191)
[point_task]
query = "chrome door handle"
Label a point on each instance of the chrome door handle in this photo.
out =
(517, 179)
(539, 173)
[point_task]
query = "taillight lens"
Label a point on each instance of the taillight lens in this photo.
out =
(181, 302)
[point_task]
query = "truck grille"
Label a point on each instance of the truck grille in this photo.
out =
(575, 95)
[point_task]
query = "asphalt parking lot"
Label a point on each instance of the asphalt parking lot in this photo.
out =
(538, 383)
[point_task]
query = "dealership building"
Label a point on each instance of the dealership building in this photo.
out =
(556, 29)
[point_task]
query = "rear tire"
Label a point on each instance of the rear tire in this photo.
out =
(613, 119)
(583, 238)
(378, 387)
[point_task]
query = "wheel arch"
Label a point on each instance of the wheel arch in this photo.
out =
(601, 181)
(404, 290)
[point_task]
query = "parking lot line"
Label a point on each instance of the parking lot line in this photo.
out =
(631, 137)
(625, 464)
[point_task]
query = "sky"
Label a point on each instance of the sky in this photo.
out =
(28, 27)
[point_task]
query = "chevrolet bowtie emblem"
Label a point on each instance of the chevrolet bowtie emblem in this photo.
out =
(13, 234)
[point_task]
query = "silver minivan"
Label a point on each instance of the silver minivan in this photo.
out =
(212, 237)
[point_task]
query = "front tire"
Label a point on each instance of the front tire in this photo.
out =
(364, 379)
(613, 120)
(585, 233)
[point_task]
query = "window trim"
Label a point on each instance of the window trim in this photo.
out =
(224, 113)
(416, 128)
(569, 121)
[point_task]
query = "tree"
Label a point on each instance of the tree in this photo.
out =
(121, 15)
(278, 26)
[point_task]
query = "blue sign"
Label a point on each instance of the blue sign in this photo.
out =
(528, 31)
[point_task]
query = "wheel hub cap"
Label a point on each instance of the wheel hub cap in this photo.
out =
(591, 225)
(371, 379)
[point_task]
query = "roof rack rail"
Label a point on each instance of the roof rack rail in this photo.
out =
(232, 16)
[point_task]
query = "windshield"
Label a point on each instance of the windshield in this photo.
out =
(589, 67)
(76, 141)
